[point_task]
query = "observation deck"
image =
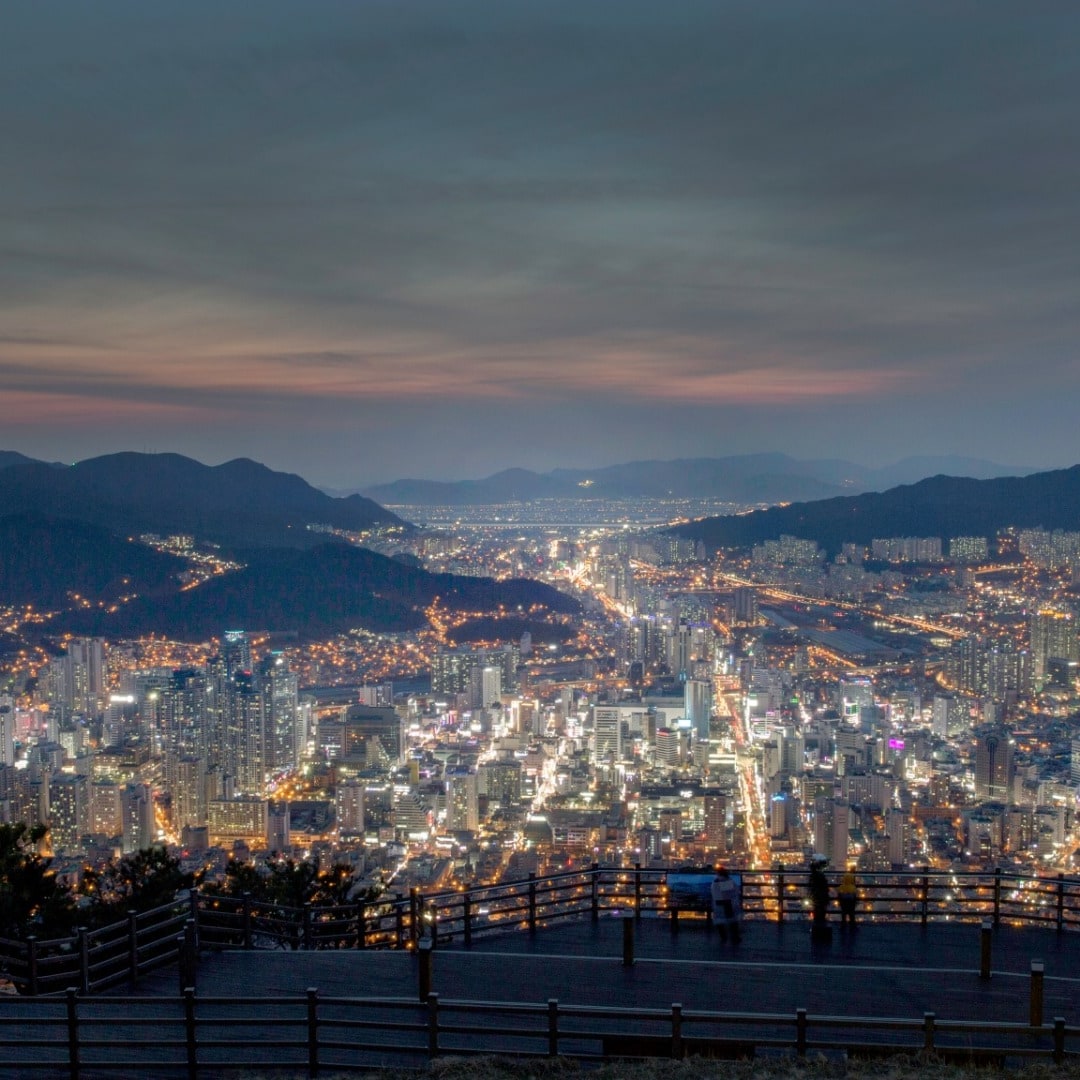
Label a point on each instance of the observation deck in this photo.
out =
(590, 964)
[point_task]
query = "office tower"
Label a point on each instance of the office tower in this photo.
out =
(607, 734)
(698, 696)
(778, 815)
(668, 746)
(411, 815)
(851, 751)
(716, 806)
(994, 766)
(832, 823)
(898, 830)
(373, 733)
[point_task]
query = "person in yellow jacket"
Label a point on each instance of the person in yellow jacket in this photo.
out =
(848, 895)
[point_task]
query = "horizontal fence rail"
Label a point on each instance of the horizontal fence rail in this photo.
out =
(97, 960)
(190, 1035)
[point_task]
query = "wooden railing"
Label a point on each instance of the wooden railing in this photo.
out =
(913, 896)
(187, 1034)
(95, 960)
(99, 959)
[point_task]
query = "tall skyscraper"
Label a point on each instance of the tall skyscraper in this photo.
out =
(994, 766)
(607, 734)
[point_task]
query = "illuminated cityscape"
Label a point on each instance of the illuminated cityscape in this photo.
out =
(902, 704)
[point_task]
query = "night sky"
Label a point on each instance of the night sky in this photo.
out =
(365, 240)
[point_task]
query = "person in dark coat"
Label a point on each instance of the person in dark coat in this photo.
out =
(725, 901)
(819, 894)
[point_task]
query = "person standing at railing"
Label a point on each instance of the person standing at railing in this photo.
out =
(848, 894)
(819, 898)
(726, 904)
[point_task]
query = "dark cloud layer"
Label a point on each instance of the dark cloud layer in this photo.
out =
(440, 239)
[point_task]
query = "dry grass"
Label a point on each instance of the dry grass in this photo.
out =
(780, 1068)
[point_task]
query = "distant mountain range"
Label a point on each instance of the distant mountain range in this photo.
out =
(944, 506)
(238, 504)
(749, 478)
(85, 572)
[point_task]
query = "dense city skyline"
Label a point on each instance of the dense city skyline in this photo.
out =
(361, 242)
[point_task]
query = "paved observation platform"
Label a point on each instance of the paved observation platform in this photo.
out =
(875, 969)
(879, 970)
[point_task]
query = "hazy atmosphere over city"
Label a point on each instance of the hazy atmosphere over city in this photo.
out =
(360, 241)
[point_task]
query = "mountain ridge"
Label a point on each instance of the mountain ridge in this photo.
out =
(743, 478)
(945, 506)
(106, 585)
(237, 503)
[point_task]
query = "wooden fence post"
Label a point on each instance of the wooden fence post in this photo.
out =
(313, 1030)
(308, 941)
(246, 897)
(1035, 1012)
(676, 1031)
(133, 947)
(414, 916)
(189, 1033)
(985, 948)
(188, 956)
(73, 1033)
(800, 1032)
(433, 1025)
(553, 1027)
(193, 902)
(32, 965)
(84, 960)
